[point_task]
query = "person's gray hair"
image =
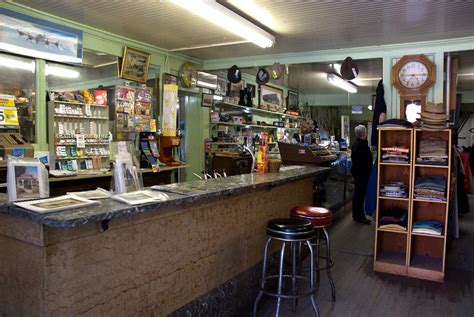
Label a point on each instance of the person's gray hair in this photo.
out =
(361, 131)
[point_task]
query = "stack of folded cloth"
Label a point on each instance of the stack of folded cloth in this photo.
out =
(433, 227)
(433, 117)
(394, 219)
(398, 154)
(433, 151)
(394, 189)
(430, 188)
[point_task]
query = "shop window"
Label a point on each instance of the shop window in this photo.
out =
(17, 78)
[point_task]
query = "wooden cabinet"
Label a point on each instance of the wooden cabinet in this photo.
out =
(403, 252)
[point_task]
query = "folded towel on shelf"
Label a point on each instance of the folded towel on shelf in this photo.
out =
(393, 227)
(393, 218)
(437, 183)
(397, 154)
(428, 227)
(394, 189)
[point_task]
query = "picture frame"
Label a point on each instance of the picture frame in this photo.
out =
(26, 180)
(170, 79)
(292, 102)
(234, 89)
(221, 89)
(271, 97)
(56, 204)
(207, 100)
(135, 64)
(140, 197)
(206, 80)
(126, 178)
(29, 36)
(252, 89)
(98, 193)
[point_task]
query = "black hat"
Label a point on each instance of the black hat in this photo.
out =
(234, 75)
(349, 69)
(262, 76)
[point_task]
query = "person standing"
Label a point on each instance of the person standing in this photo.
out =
(361, 167)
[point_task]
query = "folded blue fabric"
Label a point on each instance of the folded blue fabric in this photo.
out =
(428, 224)
(431, 182)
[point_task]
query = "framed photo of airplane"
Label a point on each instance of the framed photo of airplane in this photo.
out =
(135, 65)
(29, 36)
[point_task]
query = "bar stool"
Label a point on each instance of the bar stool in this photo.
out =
(321, 218)
(292, 232)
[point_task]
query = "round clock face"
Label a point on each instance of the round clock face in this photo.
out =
(413, 75)
(188, 74)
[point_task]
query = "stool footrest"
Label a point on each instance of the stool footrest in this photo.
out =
(288, 296)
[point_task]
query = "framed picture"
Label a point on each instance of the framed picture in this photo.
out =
(292, 101)
(140, 197)
(26, 180)
(271, 97)
(207, 100)
(126, 176)
(25, 35)
(98, 193)
(252, 89)
(169, 79)
(234, 89)
(206, 80)
(221, 88)
(135, 65)
(60, 203)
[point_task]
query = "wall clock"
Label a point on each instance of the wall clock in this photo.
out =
(188, 74)
(413, 75)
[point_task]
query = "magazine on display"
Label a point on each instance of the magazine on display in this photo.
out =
(140, 197)
(60, 203)
(26, 179)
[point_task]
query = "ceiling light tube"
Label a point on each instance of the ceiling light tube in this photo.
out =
(341, 83)
(59, 71)
(219, 15)
(17, 64)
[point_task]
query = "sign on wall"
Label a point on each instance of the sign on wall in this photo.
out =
(25, 35)
(170, 101)
(357, 110)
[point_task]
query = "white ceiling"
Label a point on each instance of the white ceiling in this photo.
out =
(298, 25)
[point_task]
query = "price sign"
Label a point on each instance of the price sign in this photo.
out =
(8, 116)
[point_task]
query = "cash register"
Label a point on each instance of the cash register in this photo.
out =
(300, 154)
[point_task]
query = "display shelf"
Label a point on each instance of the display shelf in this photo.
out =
(251, 125)
(427, 262)
(394, 164)
(79, 157)
(392, 230)
(391, 257)
(87, 143)
(257, 110)
(394, 198)
(431, 166)
(79, 103)
(430, 201)
(427, 235)
(235, 143)
(79, 117)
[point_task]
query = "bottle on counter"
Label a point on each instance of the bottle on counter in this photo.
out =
(262, 154)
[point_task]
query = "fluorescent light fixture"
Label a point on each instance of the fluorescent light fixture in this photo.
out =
(14, 63)
(219, 15)
(341, 83)
(207, 85)
(59, 71)
(218, 98)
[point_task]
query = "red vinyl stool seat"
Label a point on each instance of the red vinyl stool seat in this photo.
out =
(320, 217)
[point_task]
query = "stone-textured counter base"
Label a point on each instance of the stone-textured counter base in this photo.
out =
(148, 264)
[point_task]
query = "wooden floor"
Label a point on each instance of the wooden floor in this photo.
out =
(362, 292)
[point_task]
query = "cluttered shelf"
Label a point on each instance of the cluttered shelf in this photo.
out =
(257, 110)
(79, 103)
(251, 125)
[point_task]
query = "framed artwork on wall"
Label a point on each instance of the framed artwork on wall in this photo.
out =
(135, 65)
(221, 89)
(169, 79)
(206, 80)
(207, 100)
(271, 98)
(234, 89)
(293, 100)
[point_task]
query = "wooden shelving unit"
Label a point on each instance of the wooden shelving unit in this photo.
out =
(404, 252)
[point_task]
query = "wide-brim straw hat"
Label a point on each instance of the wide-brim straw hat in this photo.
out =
(433, 116)
(432, 107)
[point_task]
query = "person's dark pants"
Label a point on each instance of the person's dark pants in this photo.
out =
(360, 189)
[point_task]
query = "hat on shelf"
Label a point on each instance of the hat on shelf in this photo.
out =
(262, 76)
(234, 74)
(433, 116)
(349, 69)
